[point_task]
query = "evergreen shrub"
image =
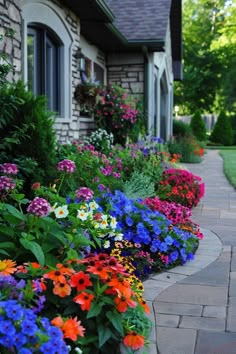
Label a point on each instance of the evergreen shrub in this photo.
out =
(198, 126)
(222, 132)
(27, 136)
(181, 129)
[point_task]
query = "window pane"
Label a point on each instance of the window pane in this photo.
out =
(31, 61)
(98, 73)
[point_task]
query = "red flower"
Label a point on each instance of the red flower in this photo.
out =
(80, 280)
(123, 302)
(84, 300)
(134, 340)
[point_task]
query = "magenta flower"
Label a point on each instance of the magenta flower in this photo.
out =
(85, 193)
(39, 207)
(9, 168)
(6, 183)
(67, 166)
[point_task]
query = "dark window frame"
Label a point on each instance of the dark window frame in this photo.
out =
(46, 65)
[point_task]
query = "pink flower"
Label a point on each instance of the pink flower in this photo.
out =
(39, 207)
(9, 168)
(85, 193)
(6, 183)
(67, 166)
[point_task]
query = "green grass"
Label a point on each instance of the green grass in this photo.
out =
(229, 157)
(220, 147)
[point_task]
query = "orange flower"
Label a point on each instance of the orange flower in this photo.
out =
(64, 269)
(85, 300)
(145, 306)
(98, 270)
(62, 289)
(120, 285)
(134, 340)
(56, 275)
(71, 328)
(123, 302)
(7, 267)
(80, 280)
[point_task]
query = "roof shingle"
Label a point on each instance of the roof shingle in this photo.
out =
(140, 20)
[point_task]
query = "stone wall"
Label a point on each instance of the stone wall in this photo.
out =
(130, 77)
(68, 130)
(10, 18)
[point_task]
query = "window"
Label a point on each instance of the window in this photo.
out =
(92, 72)
(43, 64)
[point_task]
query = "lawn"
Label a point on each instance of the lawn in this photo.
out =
(229, 157)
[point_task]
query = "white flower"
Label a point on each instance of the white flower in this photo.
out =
(82, 215)
(106, 244)
(93, 205)
(103, 223)
(119, 237)
(61, 212)
(113, 223)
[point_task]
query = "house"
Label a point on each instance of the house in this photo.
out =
(133, 43)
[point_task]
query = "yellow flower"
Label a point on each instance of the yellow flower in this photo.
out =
(7, 267)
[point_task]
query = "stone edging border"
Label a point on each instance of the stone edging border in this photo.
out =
(210, 247)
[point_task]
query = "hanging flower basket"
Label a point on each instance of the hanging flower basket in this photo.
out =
(86, 95)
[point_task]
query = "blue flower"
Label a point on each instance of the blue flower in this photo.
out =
(14, 312)
(129, 221)
(6, 326)
(28, 327)
(169, 240)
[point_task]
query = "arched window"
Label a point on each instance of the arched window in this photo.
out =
(47, 59)
(43, 64)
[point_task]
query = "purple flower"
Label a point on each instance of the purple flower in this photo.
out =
(39, 207)
(6, 183)
(85, 193)
(9, 168)
(67, 166)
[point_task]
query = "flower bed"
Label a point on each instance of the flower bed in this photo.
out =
(75, 253)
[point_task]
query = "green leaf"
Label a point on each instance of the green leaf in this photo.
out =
(115, 319)
(15, 212)
(7, 245)
(6, 230)
(104, 333)
(95, 309)
(4, 252)
(35, 249)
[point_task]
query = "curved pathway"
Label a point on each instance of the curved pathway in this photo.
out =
(194, 306)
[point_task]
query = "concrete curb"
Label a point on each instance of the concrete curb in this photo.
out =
(210, 248)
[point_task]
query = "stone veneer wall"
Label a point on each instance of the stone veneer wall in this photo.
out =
(10, 17)
(130, 77)
(69, 131)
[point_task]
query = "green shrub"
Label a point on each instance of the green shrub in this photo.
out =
(181, 129)
(191, 151)
(222, 132)
(27, 136)
(198, 126)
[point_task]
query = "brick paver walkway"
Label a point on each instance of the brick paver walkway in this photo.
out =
(194, 306)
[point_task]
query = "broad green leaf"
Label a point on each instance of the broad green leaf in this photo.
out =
(115, 319)
(95, 309)
(15, 212)
(7, 245)
(104, 333)
(35, 249)
(4, 252)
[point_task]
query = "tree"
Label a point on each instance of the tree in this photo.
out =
(208, 67)
(198, 126)
(222, 132)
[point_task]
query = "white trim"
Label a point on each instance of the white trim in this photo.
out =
(46, 13)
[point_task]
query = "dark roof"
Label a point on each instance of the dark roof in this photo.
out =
(141, 20)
